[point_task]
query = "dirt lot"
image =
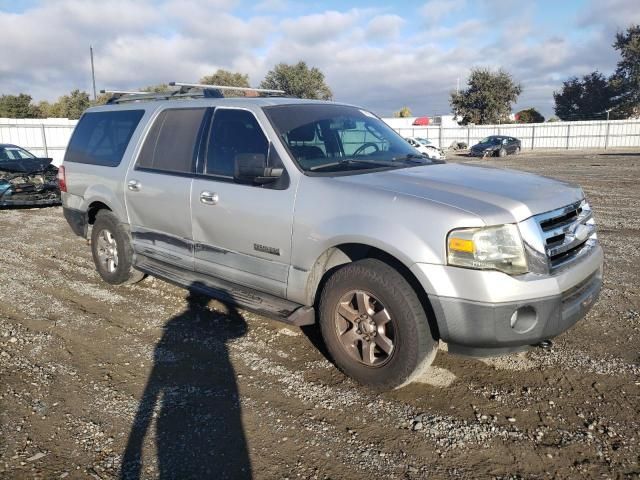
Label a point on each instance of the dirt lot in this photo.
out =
(94, 377)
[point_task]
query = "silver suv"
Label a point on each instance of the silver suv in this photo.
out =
(316, 211)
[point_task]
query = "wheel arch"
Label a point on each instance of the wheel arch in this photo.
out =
(94, 208)
(342, 254)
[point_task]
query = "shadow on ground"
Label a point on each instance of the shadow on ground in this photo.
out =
(190, 405)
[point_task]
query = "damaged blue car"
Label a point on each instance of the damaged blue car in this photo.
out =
(26, 180)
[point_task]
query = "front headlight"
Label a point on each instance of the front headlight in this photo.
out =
(487, 248)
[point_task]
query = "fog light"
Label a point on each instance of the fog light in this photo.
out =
(524, 319)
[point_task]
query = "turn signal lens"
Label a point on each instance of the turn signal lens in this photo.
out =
(461, 245)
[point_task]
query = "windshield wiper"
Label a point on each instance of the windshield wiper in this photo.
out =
(351, 161)
(413, 158)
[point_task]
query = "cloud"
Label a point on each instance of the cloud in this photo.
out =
(381, 58)
(311, 29)
(613, 15)
(435, 10)
(385, 26)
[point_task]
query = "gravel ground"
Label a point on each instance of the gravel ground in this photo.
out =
(97, 380)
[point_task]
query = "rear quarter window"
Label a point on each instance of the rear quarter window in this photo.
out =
(100, 138)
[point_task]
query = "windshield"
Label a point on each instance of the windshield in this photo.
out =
(424, 141)
(14, 153)
(491, 140)
(336, 138)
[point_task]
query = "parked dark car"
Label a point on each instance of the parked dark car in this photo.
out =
(26, 180)
(496, 146)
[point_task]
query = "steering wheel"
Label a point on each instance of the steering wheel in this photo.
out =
(364, 146)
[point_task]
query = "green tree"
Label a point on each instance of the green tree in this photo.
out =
(625, 82)
(159, 88)
(102, 99)
(529, 115)
(586, 98)
(487, 99)
(230, 79)
(16, 106)
(72, 105)
(404, 112)
(298, 81)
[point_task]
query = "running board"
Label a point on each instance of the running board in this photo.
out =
(229, 293)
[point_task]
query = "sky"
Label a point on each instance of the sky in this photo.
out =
(381, 55)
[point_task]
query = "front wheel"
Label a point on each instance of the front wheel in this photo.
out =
(112, 251)
(502, 153)
(517, 151)
(374, 325)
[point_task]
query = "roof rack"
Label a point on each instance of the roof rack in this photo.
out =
(226, 87)
(186, 90)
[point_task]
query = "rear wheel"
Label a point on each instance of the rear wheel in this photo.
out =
(374, 326)
(112, 251)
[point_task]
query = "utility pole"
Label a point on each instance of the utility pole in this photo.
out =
(458, 86)
(93, 74)
(608, 113)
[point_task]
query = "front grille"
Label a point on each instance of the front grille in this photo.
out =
(565, 232)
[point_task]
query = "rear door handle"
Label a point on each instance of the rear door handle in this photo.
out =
(209, 198)
(133, 185)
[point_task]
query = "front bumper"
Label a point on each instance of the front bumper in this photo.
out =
(481, 153)
(7, 201)
(503, 314)
(29, 195)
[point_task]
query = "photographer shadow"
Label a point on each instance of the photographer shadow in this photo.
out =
(192, 397)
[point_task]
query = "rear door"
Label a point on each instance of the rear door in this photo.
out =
(242, 232)
(158, 187)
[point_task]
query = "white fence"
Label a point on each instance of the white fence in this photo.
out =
(49, 137)
(557, 135)
(42, 137)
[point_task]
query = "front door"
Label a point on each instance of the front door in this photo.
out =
(158, 188)
(242, 232)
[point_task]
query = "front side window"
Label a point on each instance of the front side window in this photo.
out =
(171, 142)
(100, 138)
(324, 138)
(233, 133)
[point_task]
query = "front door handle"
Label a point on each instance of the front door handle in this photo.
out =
(133, 185)
(208, 198)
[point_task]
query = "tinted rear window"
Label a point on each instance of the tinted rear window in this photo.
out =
(100, 138)
(170, 144)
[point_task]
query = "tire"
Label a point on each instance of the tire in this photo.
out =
(502, 153)
(394, 313)
(112, 251)
(517, 151)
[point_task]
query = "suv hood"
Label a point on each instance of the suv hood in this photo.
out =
(494, 194)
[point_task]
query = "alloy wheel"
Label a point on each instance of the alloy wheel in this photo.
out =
(107, 250)
(365, 328)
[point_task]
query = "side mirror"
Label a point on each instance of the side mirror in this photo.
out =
(252, 168)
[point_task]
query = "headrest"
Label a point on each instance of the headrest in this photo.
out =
(305, 133)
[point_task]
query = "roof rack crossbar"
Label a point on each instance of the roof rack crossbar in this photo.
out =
(226, 87)
(122, 92)
(185, 90)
